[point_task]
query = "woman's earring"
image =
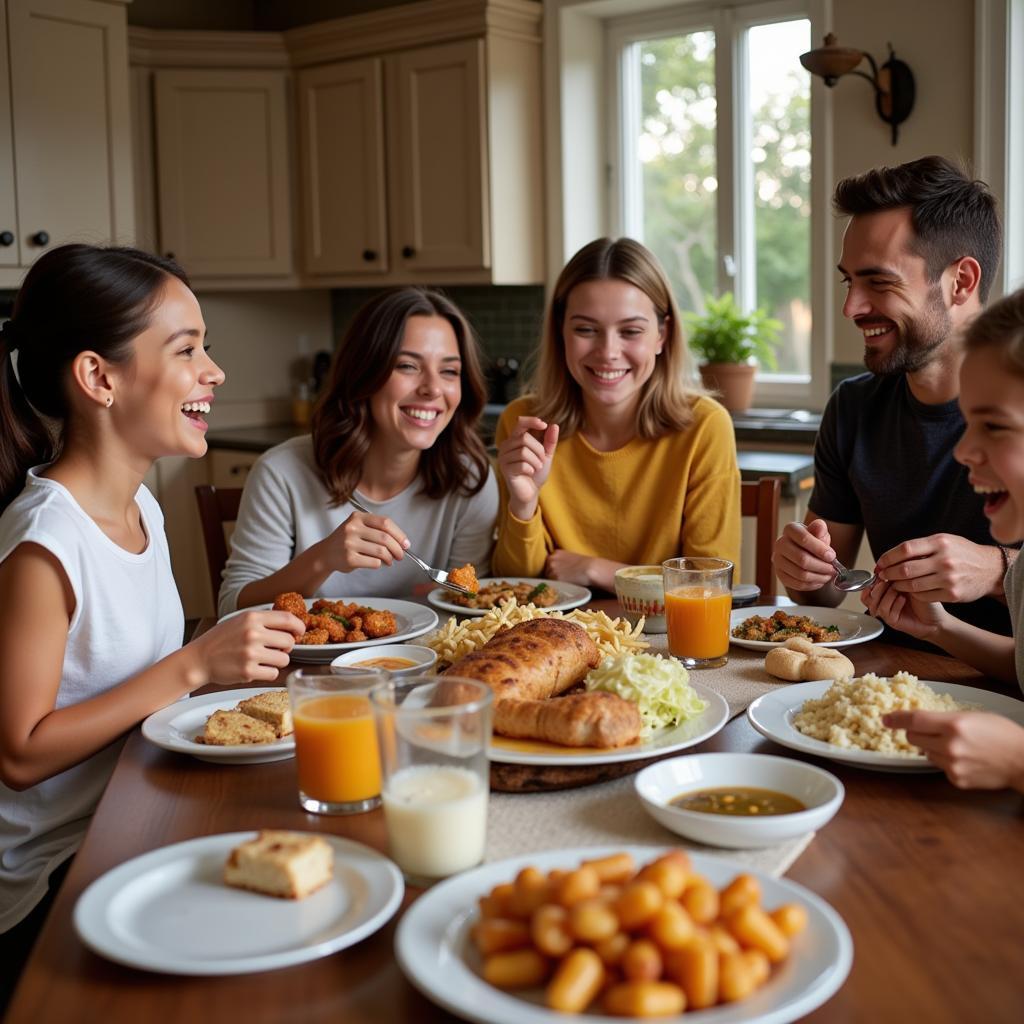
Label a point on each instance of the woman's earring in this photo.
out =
(110, 401)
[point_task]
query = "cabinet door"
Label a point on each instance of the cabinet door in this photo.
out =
(341, 139)
(437, 158)
(72, 136)
(222, 170)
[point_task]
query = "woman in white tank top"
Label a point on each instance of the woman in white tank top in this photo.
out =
(108, 345)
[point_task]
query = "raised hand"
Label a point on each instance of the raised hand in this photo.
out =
(525, 461)
(923, 619)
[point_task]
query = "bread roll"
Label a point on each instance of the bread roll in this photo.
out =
(800, 660)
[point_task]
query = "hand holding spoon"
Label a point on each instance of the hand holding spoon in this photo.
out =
(849, 581)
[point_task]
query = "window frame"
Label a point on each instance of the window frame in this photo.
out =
(735, 226)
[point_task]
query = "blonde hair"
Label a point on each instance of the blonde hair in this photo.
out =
(666, 401)
(1001, 327)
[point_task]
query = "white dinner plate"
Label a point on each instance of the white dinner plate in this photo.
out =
(169, 910)
(570, 595)
(664, 741)
(854, 628)
(176, 727)
(412, 620)
(436, 954)
(772, 716)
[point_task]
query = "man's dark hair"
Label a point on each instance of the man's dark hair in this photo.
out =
(952, 215)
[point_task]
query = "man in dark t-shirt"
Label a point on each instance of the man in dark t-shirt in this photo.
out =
(919, 255)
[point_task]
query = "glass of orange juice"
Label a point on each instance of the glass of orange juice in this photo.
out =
(335, 739)
(698, 600)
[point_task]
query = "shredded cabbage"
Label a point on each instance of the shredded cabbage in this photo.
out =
(660, 688)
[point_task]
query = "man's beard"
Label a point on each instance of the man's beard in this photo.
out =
(916, 344)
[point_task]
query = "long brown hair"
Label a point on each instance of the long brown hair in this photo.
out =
(75, 298)
(666, 402)
(342, 422)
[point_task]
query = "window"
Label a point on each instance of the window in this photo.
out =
(712, 164)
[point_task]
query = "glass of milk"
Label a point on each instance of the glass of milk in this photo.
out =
(433, 733)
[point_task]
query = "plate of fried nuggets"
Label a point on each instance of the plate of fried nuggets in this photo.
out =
(343, 624)
(246, 726)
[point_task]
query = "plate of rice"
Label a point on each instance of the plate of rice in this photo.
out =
(842, 720)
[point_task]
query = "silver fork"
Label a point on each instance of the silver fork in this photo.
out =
(437, 575)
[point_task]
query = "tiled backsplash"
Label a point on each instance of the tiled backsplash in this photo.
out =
(506, 318)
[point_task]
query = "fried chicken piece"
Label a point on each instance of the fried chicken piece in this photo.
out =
(321, 606)
(291, 602)
(465, 576)
(313, 636)
(376, 624)
(356, 636)
(335, 629)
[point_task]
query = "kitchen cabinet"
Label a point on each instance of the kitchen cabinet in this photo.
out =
(229, 467)
(423, 164)
(65, 131)
(223, 178)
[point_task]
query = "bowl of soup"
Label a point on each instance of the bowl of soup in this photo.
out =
(398, 659)
(740, 801)
(641, 592)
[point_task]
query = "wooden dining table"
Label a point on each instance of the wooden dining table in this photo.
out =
(923, 874)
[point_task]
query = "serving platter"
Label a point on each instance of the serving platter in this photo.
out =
(570, 595)
(854, 628)
(175, 727)
(169, 911)
(412, 620)
(772, 716)
(435, 952)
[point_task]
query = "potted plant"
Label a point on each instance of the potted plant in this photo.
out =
(732, 344)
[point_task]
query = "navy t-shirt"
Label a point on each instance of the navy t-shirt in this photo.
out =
(884, 460)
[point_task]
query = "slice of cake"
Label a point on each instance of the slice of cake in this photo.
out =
(286, 864)
(230, 728)
(272, 707)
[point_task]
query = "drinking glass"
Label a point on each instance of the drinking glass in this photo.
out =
(433, 733)
(335, 740)
(698, 600)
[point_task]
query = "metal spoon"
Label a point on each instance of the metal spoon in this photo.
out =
(849, 581)
(437, 575)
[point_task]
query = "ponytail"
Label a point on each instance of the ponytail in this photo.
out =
(75, 298)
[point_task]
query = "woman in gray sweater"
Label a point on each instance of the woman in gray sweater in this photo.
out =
(395, 427)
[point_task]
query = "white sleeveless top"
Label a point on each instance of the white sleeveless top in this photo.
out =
(127, 616)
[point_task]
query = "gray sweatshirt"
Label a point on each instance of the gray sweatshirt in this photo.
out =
(286, 509)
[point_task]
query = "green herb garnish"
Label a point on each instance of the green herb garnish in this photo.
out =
(537, 591)
(341, 619)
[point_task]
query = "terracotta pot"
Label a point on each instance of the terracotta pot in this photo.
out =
(734, 382)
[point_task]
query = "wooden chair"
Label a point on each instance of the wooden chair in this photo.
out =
(760, 499)
(217, 507)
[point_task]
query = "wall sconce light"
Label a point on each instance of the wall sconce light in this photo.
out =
(893, 82)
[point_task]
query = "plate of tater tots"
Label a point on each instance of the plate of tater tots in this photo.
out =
(348, 623)
(591, 936)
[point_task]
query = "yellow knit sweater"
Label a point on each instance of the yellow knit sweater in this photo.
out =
(645, 502)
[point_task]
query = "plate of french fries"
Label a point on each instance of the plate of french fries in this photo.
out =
(590, 936)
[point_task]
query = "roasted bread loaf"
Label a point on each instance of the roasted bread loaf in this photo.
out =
(531, 661)
(286, 864)
(575, 720)
(800, 660)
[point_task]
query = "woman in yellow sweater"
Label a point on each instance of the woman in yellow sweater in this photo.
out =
(613, 457)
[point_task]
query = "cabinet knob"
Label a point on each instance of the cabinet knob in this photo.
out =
(6, 238)
(40, 238)
(169, 255)
(239, 470)
(408, 252)
(369, 255)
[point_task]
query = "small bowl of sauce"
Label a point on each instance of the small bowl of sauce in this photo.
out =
(396, 659)
(739, 800)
